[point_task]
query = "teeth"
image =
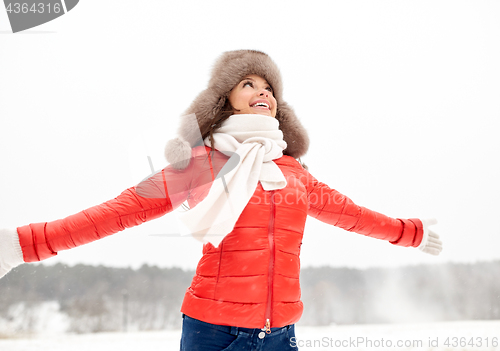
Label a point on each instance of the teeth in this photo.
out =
(261, 104)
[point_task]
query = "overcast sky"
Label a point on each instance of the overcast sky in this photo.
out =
(401, 100)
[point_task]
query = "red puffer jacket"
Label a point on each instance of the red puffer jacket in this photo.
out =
(252, 278)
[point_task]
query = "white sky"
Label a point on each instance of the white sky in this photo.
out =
(401, 100)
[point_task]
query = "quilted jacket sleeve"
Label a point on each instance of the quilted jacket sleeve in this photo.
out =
(152, 198)
(330, 206)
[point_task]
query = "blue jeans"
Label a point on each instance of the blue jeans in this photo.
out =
(202, 336)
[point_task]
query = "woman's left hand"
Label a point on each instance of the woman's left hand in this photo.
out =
(11, 254)
(430, 241)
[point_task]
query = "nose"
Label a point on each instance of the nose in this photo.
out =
(264, 92)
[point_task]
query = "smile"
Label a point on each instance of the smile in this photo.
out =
(261, 104)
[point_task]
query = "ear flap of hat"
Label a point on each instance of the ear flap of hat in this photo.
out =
(199, 115)
(294, 133)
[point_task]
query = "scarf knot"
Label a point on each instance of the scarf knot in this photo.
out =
(271, 147)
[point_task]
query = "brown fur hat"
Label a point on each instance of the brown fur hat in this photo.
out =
(230, 68)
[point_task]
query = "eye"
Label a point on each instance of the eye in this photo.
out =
(247, 83)
(270, 89)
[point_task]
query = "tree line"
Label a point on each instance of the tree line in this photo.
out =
(99, 298)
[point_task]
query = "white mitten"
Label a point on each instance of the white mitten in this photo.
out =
(11, 254)
(430, 241)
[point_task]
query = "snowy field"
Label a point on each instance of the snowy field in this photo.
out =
(464, 335)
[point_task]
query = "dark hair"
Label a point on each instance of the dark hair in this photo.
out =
(224, 113)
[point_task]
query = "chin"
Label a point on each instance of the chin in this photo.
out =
(265, 113)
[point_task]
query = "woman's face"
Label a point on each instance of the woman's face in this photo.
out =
(253, 95)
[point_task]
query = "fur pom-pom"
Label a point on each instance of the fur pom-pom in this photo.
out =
(178, 153)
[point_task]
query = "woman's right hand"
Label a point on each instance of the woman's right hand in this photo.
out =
(11, 254)
(431, 243)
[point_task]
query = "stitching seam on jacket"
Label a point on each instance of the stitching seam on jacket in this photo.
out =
(93, 223)
(68, 233)
(119, 219)
(33, 238)
(46, 241)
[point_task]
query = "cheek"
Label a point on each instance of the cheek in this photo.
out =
(238, 99)
(232, 99)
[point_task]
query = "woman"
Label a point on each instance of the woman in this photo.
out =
(248, 199)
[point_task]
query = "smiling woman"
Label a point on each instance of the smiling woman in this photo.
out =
(246, 291)
(253, 95)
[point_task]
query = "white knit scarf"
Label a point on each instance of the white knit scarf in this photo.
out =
(256, 140)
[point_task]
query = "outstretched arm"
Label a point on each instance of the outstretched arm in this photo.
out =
(43, 240)
(152, 198)
(39, 241)
(332, 207)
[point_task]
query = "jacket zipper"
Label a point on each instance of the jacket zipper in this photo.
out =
(267, 326)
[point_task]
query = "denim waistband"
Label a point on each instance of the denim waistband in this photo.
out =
(236, 330)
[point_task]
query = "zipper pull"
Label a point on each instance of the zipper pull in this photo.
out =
(268, 326)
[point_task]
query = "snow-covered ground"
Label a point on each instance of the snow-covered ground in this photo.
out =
(463, 335)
